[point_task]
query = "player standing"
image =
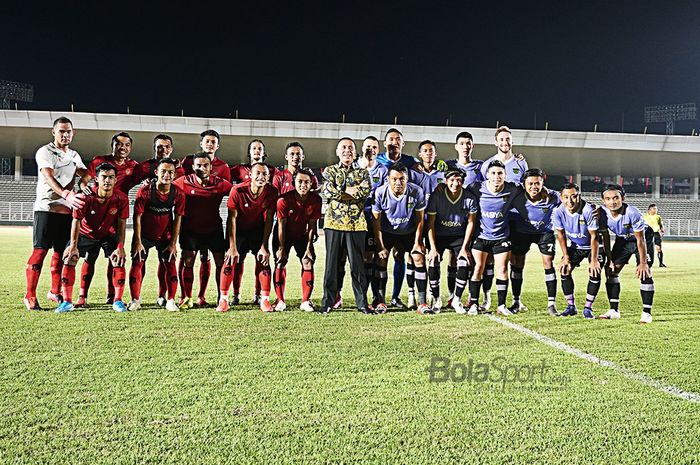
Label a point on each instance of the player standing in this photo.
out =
(633, 237)
(654, 221)
(155, 226)
(251, 209)
(298, 212)
(58, 165)
(283, 180)
(99, 224)
(575, 220)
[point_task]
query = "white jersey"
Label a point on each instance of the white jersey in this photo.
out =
(64, 166)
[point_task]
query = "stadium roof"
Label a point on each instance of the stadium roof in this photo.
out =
(557, 152)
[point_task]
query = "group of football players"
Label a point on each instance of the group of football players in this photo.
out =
(479, 217)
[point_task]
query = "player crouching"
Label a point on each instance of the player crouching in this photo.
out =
(154, 226)
(298, 212)
(99, 224)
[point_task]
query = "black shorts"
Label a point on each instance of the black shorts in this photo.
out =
(576, 256)
(148, 244)
(657, 238)
(522, 241)
(299, 246)
(90, 248)
(495, 247)
(214, 241)
(453, 243)
(51, 230)
(623, 249)
(401, 242)
(248, 241)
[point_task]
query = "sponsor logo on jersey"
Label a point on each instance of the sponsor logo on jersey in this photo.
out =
(398, 221)
(492, 215)
(516, 170)
(451, 224)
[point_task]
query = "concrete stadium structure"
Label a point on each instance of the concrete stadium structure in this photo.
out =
(565, 153)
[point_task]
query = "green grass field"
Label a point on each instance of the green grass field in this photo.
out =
(198, 387)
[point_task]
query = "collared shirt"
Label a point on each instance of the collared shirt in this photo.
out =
(654, 222)
(344, 214)
(64, 166)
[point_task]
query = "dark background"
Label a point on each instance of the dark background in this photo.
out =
(469, 64)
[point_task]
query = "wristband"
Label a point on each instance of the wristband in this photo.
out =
(120, 245)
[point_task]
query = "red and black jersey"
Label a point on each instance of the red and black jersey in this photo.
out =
(98, 218)
(218, 168)
(251, 210)
(202, 202)
(156, 210)
(298, 213)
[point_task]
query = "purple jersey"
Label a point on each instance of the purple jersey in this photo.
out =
(515, 169)
(494, 206)
(576, 225)
(398, 212)
(377, 177)
(626, 224)
(451, 216)
(472, 170)
(426, 181)
(539, 214)
(407, 160)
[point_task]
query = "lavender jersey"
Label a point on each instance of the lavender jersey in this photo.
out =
(407, 160)
(398, 212)
(539, 214)
(472, 170)
(451, 216)
(377, 177)
(626, 224)
(426, 181)
(576, 225)
(494, 206)
(515, 169)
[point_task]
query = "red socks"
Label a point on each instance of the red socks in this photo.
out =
(68, 280)
(280, 281)
(33, 271)
(56, 267)
(307, 284)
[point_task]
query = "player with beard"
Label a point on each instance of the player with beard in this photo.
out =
(209, 143)
(158, 212)
(535, 228)
(575, 220)
(55, 199)
(451, 225)
(239, 174)
(126, 168)
(202, 226)
(515, 166)
(495, 197)
(298, 212)
(99, 224)
(632, 237)
(283, 180)
(251, 209)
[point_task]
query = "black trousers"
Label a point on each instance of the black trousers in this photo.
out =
(354, 243)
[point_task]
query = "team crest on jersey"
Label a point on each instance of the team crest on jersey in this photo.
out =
(516, 170)
(127, 171)
(581, 221)
(545, 209)
(112, 211)
(411, 204)
(375, 179)
(627, 225)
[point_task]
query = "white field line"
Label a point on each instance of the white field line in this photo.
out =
(633, 375)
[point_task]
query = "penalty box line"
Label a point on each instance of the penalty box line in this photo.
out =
(633, 375)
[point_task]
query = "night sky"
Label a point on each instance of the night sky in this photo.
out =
(522, 65)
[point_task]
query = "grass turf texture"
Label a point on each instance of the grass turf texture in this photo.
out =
(95, 386)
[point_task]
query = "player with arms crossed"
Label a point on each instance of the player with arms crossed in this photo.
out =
(155, 226)
(398, 225)
(633, 237)
(99, 224)
(575, 220)
(251, 209)
(298, 212)
(452, 216)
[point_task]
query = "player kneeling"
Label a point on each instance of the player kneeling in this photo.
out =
(575, 220)
(99, 224)
(298, 212)
(154, 226)
(632, 237)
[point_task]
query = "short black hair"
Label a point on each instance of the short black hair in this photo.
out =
(105, 166)
(293, 144)
(426, 142)
(201, 155)
(398, 167)
(533, 172)
(497, 163)
(464, 135)
(163, 161)
(455, 172)
(571, 185)
(121, 134)
(651, 206)
(303, 171)
(613, 187)
(371, 138)
(162, 137)
(259, 164)
(62, 120)
(392, 130)
(210, 132)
